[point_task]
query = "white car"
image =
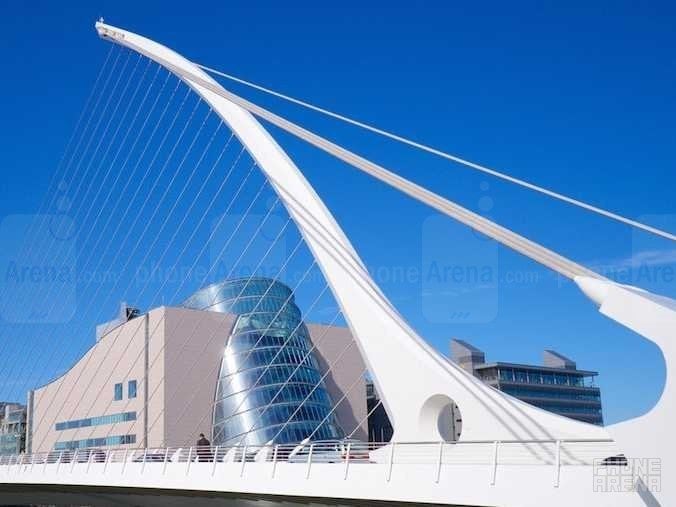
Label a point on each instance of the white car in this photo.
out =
(330, 451)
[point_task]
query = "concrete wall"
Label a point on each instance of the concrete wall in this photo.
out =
(180, 367)
(346, 373)
(87, 389)
(176, 352)
(195, 344)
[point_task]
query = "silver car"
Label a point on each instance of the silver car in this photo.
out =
(330, 451)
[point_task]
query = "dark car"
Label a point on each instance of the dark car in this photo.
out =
(618, 460)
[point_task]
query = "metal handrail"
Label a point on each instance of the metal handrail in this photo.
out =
(351, 454)
(559, 453)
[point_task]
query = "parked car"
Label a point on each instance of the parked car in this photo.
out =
(618, 460)
(99, 456)
(66, 456)
(330, 451)
(151, 457)
(83, 455)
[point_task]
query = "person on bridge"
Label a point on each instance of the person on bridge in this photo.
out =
(203, 448)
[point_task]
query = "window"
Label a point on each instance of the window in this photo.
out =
(95, 442)
(96, 421)
(118, 392)
(131, 389)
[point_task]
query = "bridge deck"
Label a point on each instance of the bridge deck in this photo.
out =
(424, 473)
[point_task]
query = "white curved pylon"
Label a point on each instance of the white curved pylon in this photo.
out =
(650, 437)
(414, 380)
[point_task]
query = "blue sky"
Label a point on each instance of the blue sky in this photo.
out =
(574, 97)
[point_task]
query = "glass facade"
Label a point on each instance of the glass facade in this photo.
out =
(554, 394)
(523, 376)
(12, 428)
(10, 444)
(269, 385)
(569, 393)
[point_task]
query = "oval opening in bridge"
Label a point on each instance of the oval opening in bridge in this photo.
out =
(440, 418)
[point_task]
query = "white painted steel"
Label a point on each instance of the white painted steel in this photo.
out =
(537, 252)
(410, 472)
(387, 343)
(650, 436)
(524, 473)
(448, 156)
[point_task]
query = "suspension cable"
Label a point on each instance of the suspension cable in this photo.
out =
(535, 251)
(31, 356)
(214, 334)
(539, 253)
(448, 156)
(194, 264)
(87, 113)
(147, 223)
(53, 247)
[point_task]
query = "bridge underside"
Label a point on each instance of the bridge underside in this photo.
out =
(56, 495)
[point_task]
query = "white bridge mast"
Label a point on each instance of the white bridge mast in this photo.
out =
(415, 400)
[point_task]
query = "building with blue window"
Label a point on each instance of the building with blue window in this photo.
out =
(269, 385)
(12, 428)
(556, 386)
(236, 358)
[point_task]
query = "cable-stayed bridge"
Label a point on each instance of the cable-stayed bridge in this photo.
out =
(173, 130)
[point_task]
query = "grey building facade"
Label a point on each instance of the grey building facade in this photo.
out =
(12, 428)
(556, 386)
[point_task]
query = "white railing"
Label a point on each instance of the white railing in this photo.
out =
(492, 454)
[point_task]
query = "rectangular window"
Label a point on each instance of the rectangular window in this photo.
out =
(118, 392)
(96, 421)
(131, 389)
(95, 442)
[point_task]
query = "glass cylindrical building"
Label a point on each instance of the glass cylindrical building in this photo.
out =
(269, 385)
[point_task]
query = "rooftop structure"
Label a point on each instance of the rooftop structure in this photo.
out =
(556, 386)
(125, 314)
